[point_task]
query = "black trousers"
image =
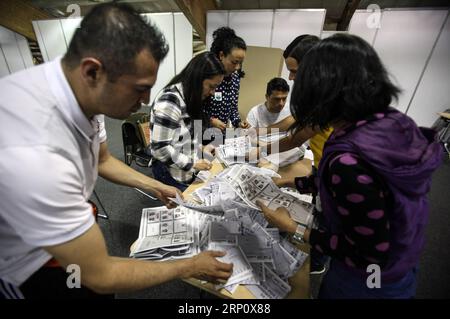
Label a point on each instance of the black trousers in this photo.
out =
(50, 283)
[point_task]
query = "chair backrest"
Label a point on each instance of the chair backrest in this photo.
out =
(136, 138)
(144, 132)
(442, 126)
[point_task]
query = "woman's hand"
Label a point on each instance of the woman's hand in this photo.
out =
(284, 182)
(209, 151)
(218, 123)
(279, 218)
(202, 165)
(244, 124)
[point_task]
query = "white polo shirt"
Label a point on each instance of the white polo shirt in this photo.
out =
(259, 116)
(48, 167)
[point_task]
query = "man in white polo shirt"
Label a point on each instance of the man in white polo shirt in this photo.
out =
(272, 111)
(53, 143)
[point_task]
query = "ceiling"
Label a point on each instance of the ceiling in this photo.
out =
(335, 8)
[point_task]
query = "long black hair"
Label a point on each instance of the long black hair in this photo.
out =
(302, 47)
(203, 66)
(340, 79)
(295, 42)
(225, 40)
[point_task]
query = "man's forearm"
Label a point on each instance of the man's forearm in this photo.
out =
(291, 141)
(126, 274)
(118, 172)
(106, 274)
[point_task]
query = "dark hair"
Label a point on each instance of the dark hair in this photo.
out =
(115, 33)
(203, 66)
(277, 84)
(340, 79)
(299, 51)
(295, 42)
(225, 40)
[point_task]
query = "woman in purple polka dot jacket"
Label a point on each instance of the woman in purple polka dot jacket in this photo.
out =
(373, 177)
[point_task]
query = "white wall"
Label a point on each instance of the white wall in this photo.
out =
(255, 26)
(404, 43)
(433, 92)
(364, 25)
(413, 44)
(54, 37)
(267, 28)
(15, 53)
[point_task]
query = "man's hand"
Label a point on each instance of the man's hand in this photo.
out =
(164, 192)
(244, 124)
(207, 267)
(279, 218)
(218, 123)
(202, 165)
(263, 163)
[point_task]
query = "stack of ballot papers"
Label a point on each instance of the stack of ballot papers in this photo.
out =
(167, 234)
(272, 137)
(263, 260)
(234, 150)
(223, 215)
(216, 193)
(252, 187)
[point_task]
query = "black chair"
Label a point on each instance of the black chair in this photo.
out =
(442, 127)
(136, 139)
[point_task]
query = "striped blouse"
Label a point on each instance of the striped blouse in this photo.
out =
(171, 132)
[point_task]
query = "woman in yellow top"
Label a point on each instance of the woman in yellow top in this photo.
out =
(293, 55)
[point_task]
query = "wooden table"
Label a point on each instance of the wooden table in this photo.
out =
(300, 281)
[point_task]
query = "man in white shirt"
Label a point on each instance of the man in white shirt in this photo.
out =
(53, 143)
(274, 109)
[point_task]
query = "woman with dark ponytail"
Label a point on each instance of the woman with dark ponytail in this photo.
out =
(223, 106)
(174, 145)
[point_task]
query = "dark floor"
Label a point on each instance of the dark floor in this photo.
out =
(124, 206)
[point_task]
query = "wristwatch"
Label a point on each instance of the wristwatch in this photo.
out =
(299, 233)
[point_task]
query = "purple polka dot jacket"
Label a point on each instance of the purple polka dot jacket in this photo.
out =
(373, 180)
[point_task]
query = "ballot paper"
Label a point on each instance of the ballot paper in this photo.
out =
(256, 243)
(272, 137)
(242, 270)
(223, 216)
(248, 215)
(298, 255)
(203, 222)
(234, 150)
(224, 232)
(166, 233)
(303, 197)
(283, 159)
(211, 209)
(252, 187)
(203, 175)
(272, 288)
